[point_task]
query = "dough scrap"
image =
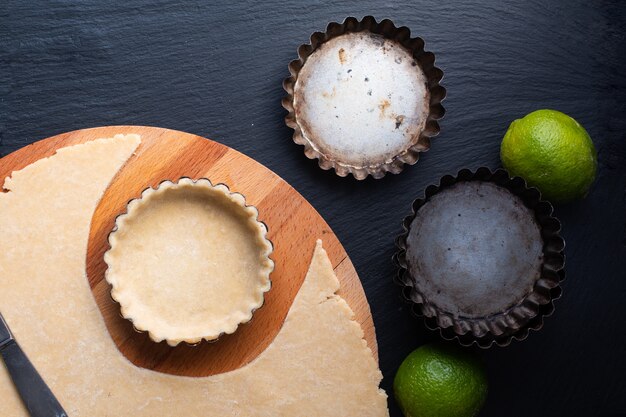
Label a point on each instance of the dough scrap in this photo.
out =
(318, 365)
(189, 261)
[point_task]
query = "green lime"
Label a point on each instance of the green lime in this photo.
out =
(552, 152)
(440, 380)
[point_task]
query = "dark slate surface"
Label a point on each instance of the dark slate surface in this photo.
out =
(216, 71)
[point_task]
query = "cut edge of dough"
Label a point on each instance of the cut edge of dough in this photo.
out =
(25, 171)
(327, 288)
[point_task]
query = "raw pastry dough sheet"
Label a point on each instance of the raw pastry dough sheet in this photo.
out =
(318, 365)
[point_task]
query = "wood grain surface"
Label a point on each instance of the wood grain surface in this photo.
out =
(293, 226)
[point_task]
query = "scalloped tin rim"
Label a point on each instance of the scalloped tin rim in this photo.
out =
(194, 181)
(552, 271)
(424, 59)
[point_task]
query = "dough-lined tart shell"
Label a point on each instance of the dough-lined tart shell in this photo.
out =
(189, 261)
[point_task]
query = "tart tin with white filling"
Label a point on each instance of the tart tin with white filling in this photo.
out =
(364, 98)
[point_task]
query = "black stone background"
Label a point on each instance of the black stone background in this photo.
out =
(215, 69)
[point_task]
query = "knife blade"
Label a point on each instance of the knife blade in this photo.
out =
(37, 397)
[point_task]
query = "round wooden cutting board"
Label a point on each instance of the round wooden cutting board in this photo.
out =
(293, 225)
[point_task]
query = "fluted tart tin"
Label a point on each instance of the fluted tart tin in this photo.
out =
(481, 258)
(364, 97)
(189, 261)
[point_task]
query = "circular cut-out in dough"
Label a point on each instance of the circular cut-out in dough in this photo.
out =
(189, 261)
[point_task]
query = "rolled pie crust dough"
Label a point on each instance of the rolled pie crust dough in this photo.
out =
(189, 261)
(318, 364)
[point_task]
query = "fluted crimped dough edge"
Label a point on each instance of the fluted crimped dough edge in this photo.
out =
(230, 324)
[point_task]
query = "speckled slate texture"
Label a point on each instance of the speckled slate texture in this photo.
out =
(216, 71)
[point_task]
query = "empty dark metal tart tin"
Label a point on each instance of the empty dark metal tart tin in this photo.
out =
(481, 258)
(364, 97)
